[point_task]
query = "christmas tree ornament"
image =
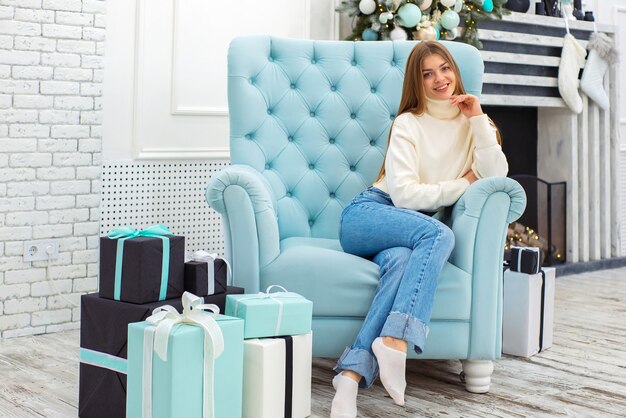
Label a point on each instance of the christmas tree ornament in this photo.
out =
(369, 35)
(437, 27)
(487, 6)
(426, 4)
(367, 7)
(602, 53)
(450, 19)
(572, 59)
(409, 15)
(452, 34)
(458, 6)
(447, 3)
(426, 33)
(385, 17)
(398, 34)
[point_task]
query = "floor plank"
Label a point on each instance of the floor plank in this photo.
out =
(583, 374)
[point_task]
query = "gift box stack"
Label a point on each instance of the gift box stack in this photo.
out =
(140, 270)
(277, 353)
(528, 305)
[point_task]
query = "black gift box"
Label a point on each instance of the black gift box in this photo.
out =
(196, 277)
(104, 325)
(141, 268)
(525, 260)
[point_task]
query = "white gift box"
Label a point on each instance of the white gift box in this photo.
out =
(528, 312)
(267, 372)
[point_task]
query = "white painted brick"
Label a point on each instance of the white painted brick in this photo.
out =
(24, 130)
(64, 259)
(1, 254)
(6, 101)
(4, 160)
(32, 72)
(15, 233)
(92, 61)
(30, 160)
(6, 42)
(4, 132)
(60, 60)
(86, 228)
(56, 173)
(18, 145)
(88, 284)
(62, 31)
(26, 218)
(57, 145)
(70, 300)
(3, 191)
(55, 202)
(51, 231)
(19, 87)
(2, 220)
(23, 332)
(67, 5)
(73, 74)
(74, 102)
(62, 327)
(10, 322)
(15, 174)
(98, 76)
(59, 87)
(67, 272)
(72, 159)
(88, 256)
(94, 214)
(91, 117)
(15, 27)
(93, 269)
(35, 43)
(88, 172)
(68, 216)
(93, 242)
(98, 103)
(70, 117)
(70, 131)
(15, 248)
(17, 203)
(12, 291)
(90, 89)
(94, 6)
(15, 57)
(6, 12)
(51, 317)
(30, 188)
(76, 314)
(70, 187)
(96, 186)
(90, 145)
(46, 289)
(13, 263)
(87, 201)
(18, 116)
(96, 159)
(76, 46)
(100, 21)
(34, 15)
(73, 243)
(32, 4)
(32, 101)
(22, 305)
(76, 19)
(93, 34)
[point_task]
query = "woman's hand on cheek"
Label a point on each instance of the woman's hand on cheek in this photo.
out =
(468, 104)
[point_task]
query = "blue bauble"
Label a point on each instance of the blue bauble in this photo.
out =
(410, 15)
(488, 6)
(438, 31)
(449, 19)
(369, 35)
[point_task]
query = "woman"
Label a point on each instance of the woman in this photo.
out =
(439, 144)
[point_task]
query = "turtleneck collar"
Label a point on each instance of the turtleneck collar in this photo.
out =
(441, 109)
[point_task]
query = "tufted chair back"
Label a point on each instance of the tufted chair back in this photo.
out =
(313, 118)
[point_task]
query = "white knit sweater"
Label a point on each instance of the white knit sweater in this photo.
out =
(429, 154)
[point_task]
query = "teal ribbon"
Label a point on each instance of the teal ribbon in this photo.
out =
(104, 360)
(155, 231)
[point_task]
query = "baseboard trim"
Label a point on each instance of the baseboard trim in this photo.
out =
(583, 267)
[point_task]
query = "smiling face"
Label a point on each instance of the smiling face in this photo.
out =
(439, 78)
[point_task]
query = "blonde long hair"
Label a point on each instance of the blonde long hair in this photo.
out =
(413, 97)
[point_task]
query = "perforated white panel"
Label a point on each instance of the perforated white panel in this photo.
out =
(142, 194)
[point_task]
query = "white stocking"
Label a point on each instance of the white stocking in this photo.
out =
(572, 59)
(602, 52)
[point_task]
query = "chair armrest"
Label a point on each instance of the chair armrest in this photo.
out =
(245, 200)
(479, 221)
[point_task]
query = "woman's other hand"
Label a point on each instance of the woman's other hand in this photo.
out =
(470, 176)
(469, 104)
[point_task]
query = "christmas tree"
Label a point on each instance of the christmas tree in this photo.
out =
(420, 19)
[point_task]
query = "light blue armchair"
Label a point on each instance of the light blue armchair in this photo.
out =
(308, 125)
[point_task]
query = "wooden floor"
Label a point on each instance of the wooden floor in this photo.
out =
(583, 374)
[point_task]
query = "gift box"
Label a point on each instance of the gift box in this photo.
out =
(182, 378)
(206, 274)
(528, 312)
(525, 260)
(271, 313)
(142, 266)
(103, 339)
(277, 377)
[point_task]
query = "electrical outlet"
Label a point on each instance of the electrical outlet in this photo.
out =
(41, 250)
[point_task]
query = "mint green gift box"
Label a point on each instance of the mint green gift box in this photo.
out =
(177, 383)
(271, 314)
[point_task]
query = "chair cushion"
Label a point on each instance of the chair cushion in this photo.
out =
(318, 268)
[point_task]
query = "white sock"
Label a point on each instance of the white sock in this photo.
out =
(392, 364)
(344, 402)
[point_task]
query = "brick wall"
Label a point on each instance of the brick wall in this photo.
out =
(51, 71)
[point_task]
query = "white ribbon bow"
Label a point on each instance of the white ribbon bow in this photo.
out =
(274, 296)
(209, 258)
(156, 339)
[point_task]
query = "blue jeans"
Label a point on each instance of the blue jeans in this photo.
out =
(411, 249)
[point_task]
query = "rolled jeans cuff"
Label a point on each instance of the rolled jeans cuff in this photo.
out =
(360, 361)
(405, 327)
